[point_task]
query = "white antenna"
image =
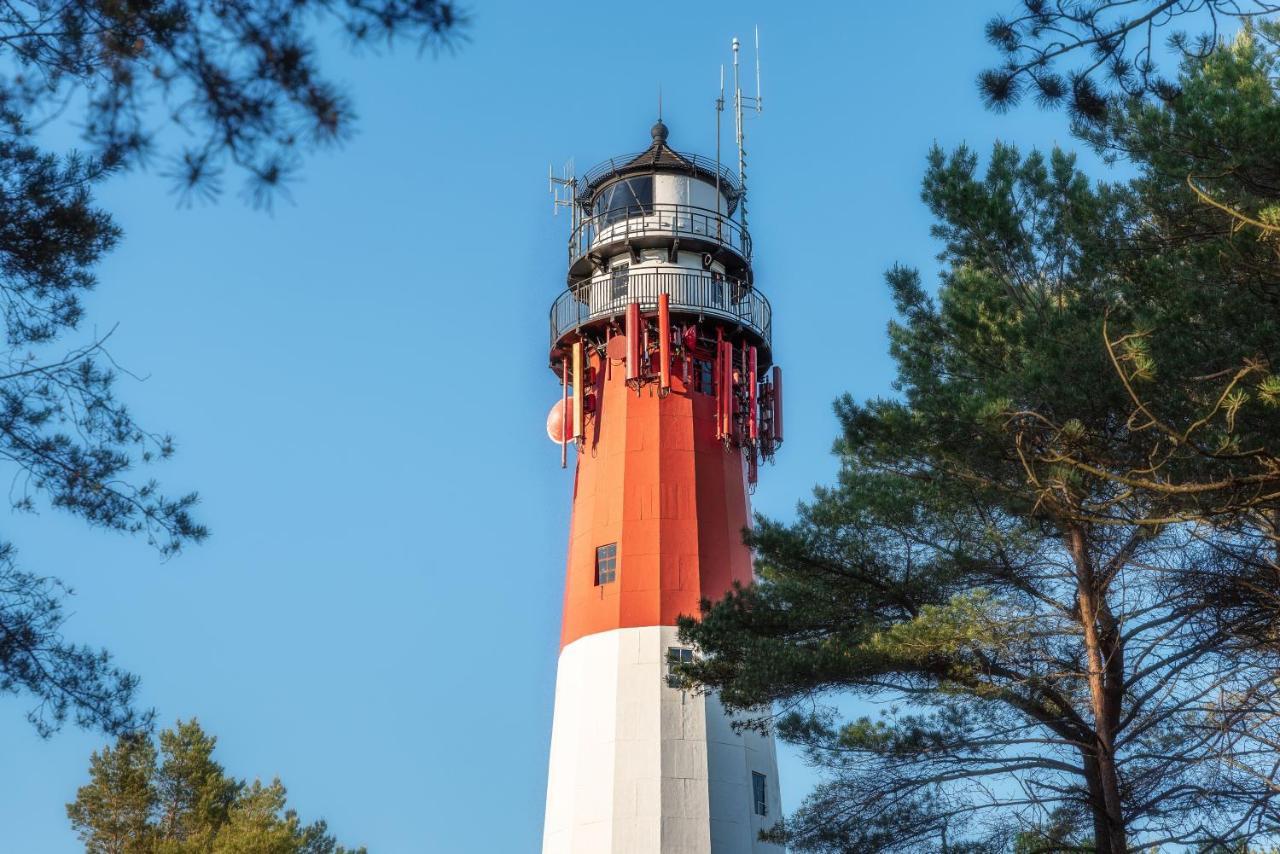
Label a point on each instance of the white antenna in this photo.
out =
(740, 125)
(564, 191)
(759, 97)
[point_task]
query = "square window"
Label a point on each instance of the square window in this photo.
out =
(606, 564)
(760, 792)
(703, 373)
(677, 655)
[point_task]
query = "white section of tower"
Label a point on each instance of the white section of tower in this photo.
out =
(639, 767)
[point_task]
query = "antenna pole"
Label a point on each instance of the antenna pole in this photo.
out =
(737, 120)
(759, 97)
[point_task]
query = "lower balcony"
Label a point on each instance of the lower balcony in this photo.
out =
(689, 292)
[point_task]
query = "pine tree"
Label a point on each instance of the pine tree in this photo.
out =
(186, 803)
(203, 91)
(194, 794)
(259, 823)
(113, 812)
(1028, 551)
(1112, 48)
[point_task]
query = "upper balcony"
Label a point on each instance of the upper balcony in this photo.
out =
(650, 225)
(690, 292)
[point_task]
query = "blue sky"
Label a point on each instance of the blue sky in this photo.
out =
(358, 387)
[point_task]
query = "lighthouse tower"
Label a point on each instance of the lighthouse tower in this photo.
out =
(669, 403)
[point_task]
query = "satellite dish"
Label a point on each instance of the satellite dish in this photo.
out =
(617, 349)
(559, 425)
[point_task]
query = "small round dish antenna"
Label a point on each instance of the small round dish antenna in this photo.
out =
(617, 349)
(559, 427)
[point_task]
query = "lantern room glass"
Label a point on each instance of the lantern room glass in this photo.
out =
(628, 197)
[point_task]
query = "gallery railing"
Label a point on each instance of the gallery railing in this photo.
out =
(620, 225)
(688, 291)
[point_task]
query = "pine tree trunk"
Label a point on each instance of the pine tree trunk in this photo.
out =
(1101, 654)
(1097, 803)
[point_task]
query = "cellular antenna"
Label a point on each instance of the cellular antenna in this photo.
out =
(739, 102)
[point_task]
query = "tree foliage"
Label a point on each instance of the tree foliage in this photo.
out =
(239, 79)
(207, 88)
(1038, 555)
(1112, 49)
(178, 800)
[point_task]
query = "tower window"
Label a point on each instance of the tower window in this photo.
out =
(606, 564)
(618, 282)
(703, 373)
(760, 792)
(677, 655)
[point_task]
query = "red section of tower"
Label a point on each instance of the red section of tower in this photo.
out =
(655, 481)
(663, 346)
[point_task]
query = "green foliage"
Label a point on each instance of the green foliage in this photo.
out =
(1062, 832)
(179, 800)
(1108, 46)
(1038, 554)
(113, 813)
(195, 796)
(240, 87)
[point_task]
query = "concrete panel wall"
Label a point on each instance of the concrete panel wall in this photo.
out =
(639, 767)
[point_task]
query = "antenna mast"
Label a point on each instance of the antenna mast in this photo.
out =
(739, 100)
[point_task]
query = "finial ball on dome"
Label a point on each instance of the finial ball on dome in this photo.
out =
(659, 132)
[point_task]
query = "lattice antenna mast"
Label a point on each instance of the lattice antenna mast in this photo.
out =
(739, 102)
(564, 192)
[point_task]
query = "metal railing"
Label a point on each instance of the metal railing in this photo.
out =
(689, 291)
(627, 164)
(637, 221)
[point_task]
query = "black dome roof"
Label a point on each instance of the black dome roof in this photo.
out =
(658, 157)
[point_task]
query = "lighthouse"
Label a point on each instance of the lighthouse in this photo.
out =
(670, 401)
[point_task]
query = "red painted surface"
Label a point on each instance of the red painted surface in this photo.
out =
(777, 403)
(653, 478)
(664, 341)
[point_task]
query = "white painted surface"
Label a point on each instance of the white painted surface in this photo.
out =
(671, 189)
(638, 767)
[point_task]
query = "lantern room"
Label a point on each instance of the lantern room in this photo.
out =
(659, 198)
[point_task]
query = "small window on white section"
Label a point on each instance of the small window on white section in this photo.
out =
(760, 792)
(618, 282)
(677, 655)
